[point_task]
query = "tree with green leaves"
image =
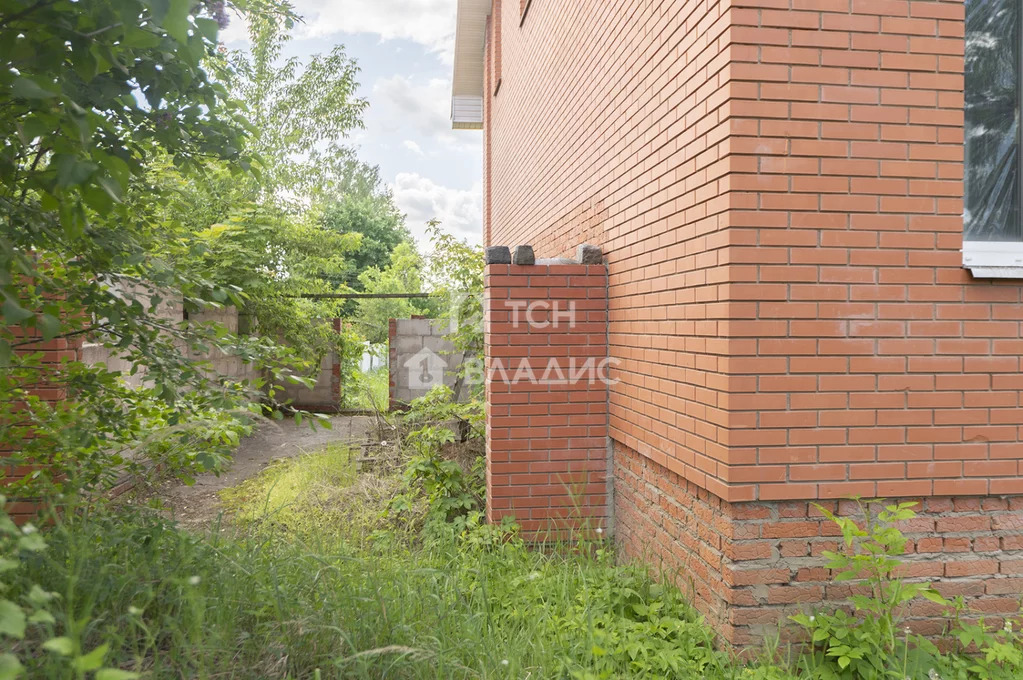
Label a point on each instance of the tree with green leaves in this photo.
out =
(301, 113)
(455, 275)
(402, 275)
(270, 238)
(93, 94)
(380, 224)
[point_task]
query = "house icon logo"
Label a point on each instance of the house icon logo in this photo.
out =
(425, 369)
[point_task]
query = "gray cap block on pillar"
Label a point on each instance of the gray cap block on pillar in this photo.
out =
(523, 255)
(497, 255)
(589, 254)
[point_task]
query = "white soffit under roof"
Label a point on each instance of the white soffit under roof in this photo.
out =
(467, 79)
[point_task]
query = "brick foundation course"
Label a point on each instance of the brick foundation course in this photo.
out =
(747, 566)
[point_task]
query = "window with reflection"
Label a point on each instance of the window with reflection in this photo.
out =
(992, 209)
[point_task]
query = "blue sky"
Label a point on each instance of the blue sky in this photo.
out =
(404, 51)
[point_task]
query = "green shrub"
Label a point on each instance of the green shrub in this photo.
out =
(871, 643)
(441, 482)
(453, 491)
(27, 623)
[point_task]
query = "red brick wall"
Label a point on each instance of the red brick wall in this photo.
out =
(49, 390)
(747, 566)
(865, 359)
(546, 420)
(779, 194)
(777, 187)
(611, 127)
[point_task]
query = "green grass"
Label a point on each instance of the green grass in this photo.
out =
(263, 605)
(316, 499)
(298, 590)
(370, 391)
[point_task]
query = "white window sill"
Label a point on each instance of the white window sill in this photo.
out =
(994, 259)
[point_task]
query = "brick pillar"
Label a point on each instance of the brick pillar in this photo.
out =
(546, 362)
(50, 390)
(336, 397)
(392, 364)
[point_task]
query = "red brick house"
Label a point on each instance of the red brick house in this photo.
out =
(810, 217)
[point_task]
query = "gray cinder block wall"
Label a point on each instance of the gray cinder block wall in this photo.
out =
(420, 357)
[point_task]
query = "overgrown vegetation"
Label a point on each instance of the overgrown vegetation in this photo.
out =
(318, 497)
(142, 164)
(321, 578)
(277, 603)
(872, 642)
(145, 166)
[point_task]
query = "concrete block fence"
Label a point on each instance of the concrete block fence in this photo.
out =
(420, 357)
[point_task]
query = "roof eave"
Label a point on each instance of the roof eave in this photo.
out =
(469, 68)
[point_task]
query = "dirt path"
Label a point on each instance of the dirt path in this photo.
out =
(198, 505)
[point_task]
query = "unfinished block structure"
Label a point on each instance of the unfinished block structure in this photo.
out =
(805, 299)
(419, 358)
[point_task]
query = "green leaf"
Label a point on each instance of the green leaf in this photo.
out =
(159, 9)
(60, 645)
(176, 21)
(10, 667)
(42, 616)
(32, 542)
(38, 596)
(934, 596)
(26, 88)
(92, 660)
(208, 28)
(101, 53)
(48, 325)
(12, 620)
(801, 619)
(138, 37)
(117, 169)
(14, 313)
(72, 171)
(111, 186)
(97, 198)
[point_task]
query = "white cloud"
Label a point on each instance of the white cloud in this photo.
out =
(236, 35)
(460, 212)
(413, 147)
(430, 23)
(401, 105)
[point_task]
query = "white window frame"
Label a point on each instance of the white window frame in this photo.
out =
(994, 259)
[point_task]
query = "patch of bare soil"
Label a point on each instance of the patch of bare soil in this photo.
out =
(198, 506)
